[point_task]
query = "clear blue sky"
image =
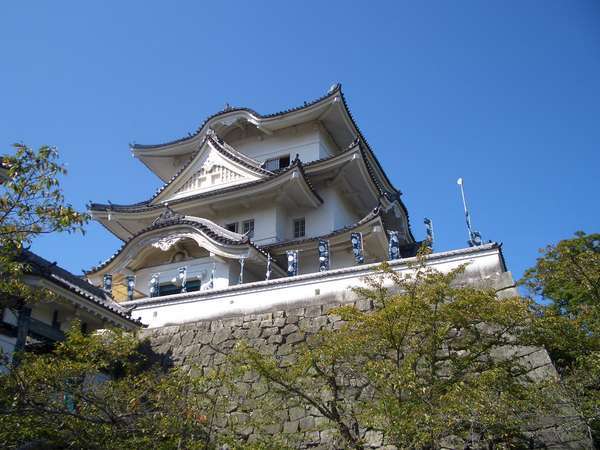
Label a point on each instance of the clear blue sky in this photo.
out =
(505, 94)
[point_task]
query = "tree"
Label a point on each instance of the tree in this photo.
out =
(566, 279)
(103, 391)
(434, 363)
(31, 204)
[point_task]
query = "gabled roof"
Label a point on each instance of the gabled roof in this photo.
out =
(226, 151)
(88, 292)
(146, 205)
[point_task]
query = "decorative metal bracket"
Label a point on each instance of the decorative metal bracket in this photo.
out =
(168, 215)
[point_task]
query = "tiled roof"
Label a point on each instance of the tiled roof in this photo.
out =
(146, 205)
(332, 92)
(201, 225)
(87, 291)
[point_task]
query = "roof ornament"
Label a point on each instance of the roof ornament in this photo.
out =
(227, 107)
(166, 242)
(333, 87)
(474, 236)
(168, 215)
(429, 230)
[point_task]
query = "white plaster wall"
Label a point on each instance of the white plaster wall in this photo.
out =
(303, 140)
(326, 145)
(265, 230)
(332, 215)
(341, 212)
(334, 285)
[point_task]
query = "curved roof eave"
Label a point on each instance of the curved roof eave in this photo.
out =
(253, 116)
(212, 233)
(147, 206)
(374, 165)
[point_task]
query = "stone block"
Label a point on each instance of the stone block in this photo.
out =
(328, 436)
(267, 332)
(279, 322)
(297, 412)
(291, 426)
(294, 338)
(221, 335)
(254, 332)
(289, 329)
(273, 428)
(275, 339)
(284, 349)
(307, 423)
(204, 337)
(313, 311)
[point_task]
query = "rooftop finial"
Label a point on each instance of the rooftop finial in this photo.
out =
(474, 236)
(333, 87)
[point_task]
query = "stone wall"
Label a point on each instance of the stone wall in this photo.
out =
(205, 344)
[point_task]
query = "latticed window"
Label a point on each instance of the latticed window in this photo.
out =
(299, 227)
(232, 227)
(248, 227)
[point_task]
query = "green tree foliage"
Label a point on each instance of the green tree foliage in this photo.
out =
(566, 278)
(433, 364)
(103, 392)
(31, 204)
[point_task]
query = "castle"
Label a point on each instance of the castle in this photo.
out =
(260, 211)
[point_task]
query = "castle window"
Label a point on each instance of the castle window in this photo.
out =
(232, 227)
(277, 163)
(299, 227)
(170, 288)
(248, 227)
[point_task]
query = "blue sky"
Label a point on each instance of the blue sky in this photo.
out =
(504, 94)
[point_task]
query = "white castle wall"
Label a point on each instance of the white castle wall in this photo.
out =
(333, 286)
(307, 140)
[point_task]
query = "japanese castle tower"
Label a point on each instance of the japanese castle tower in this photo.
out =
(258, 211)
